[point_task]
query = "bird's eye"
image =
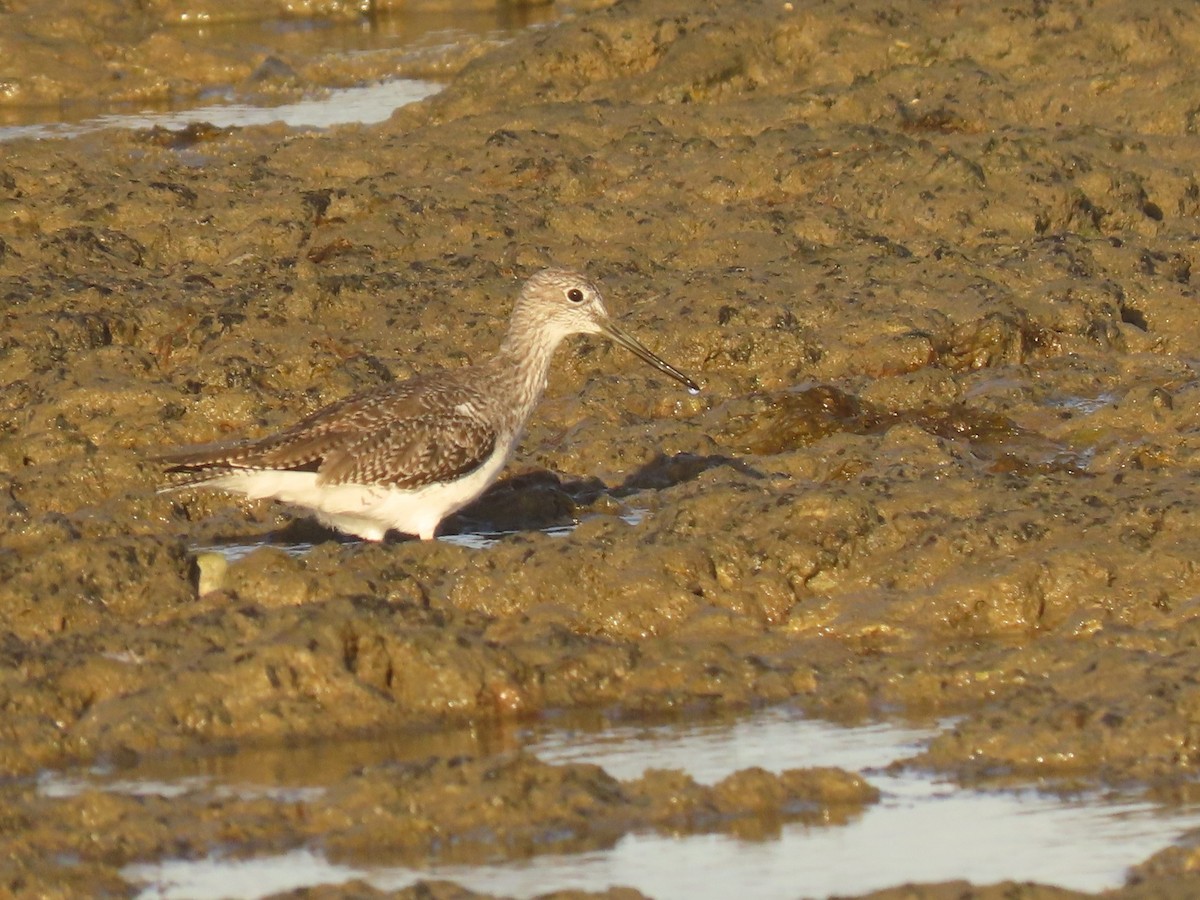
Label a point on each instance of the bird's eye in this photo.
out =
(575, 295)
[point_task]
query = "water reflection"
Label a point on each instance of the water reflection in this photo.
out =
(473, 540)
(923, 829)
(363, 105)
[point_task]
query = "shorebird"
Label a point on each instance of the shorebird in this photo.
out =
(405, 455)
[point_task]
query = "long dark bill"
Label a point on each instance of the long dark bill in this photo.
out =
(618, 335)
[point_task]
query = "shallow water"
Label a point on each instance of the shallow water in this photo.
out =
(361, 105)
(381, 49)
(474, 540)
(923, 829)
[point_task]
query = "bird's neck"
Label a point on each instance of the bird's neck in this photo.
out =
(521, 367)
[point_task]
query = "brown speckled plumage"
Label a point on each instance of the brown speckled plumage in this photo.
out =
(406, 455)
(402, 435)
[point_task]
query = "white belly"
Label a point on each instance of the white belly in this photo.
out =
(366, 510)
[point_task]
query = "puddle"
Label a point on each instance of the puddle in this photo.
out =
(473, 540)
(62, 786)
(360, 105)
(478, 540)
(922, 830)
(1083, 405)
(370, 54)
(773, 739)
(218, 878)
(921, 836)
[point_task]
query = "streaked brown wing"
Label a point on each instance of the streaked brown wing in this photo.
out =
(439, 445)
(405, 435)
(304, 445)
(308, 443)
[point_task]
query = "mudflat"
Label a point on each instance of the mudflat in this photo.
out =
(932, 264)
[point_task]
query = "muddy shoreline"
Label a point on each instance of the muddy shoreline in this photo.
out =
(933, 267)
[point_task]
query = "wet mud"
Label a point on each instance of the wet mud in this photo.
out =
(70, 59)
(446, 809)
(932, 265)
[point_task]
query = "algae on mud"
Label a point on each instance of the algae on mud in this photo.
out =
(933, 262)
